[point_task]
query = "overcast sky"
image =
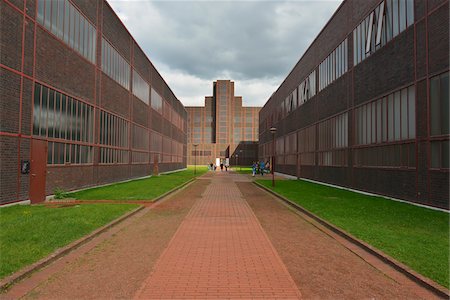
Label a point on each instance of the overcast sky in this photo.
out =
(253, 43)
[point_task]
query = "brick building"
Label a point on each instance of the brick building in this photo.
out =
(80, 101)
(223, 128)
(367, 105)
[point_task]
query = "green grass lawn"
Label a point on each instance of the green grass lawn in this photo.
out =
(243, 170)
(416, 236)
(140, 189)
(29, 233)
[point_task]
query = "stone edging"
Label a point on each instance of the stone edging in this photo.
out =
(423, 281)
(28, 270)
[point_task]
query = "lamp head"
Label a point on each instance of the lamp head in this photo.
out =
(273, 130)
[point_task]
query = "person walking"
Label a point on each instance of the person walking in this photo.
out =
(254, 169)
(221, 166)
(262, 166)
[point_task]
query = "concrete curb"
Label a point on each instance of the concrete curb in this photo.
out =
(423, 281)
(28, 270)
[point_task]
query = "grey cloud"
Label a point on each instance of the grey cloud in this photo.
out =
(245, 40)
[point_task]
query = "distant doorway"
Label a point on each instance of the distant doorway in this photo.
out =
(38, 170)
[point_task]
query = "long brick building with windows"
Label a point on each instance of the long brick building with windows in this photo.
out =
(81, 104)
(367, 105)
(222, 128)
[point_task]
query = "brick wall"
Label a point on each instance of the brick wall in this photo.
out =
(411, 58)
(48, 60)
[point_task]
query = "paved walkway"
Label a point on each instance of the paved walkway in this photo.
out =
(220, 251)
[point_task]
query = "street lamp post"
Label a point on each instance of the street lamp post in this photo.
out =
(237, 160)
(195, 159)
(240, 166)
(273, 130)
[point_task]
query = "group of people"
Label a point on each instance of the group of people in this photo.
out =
(213, 167)
(260, 167)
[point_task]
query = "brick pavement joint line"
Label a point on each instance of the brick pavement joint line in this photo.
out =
(220, 251)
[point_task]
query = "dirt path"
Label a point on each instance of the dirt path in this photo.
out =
(116, 267)
(321, 266)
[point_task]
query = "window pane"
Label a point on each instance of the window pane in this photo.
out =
(445, 107)
(435, 107)
(388, 20)
(395, 17)
(404, 113)
(435, 154)
(57, 115)
(411, 112)
(36, 108)
(391, 117)
(410, 12)
(63, 117)
(40, 12)
(402, 10)
(379, 121)
(397, 116)
(44, 111)
(445, 154)
(48, 13)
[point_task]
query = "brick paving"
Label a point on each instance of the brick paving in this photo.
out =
(220, 251)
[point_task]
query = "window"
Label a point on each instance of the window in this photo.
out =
(58, 116)
(306, 145)
(140, 137)
(333, 139)
(333, 67)
(58, 16)
(389, 19)
(307, 89)
(391, 118)
(113, 130)
(439, 121)
(156, 101)
(141, 89)
(114, 65)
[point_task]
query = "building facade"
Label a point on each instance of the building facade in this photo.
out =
(222, 129)
(367, 105)
(81, 104)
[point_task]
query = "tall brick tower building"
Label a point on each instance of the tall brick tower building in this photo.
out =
(223, 128)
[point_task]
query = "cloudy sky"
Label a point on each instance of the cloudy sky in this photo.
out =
(254, 43)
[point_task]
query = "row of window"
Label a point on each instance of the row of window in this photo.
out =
(59, 116)
(334, 66)
(305, 91)
(66, 22)
(141, 89)
(64, 153)
(114, 65)
(391, 118)
(389, 19)
(118, 156)
(113, 130)
(397, 155)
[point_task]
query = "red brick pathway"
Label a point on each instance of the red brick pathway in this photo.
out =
(220, 251)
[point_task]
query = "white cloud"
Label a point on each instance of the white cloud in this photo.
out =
(253, 43)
